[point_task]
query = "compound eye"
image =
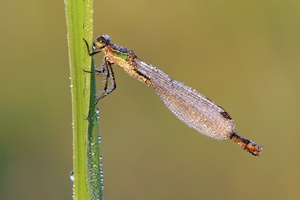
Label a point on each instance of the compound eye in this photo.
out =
(105, 39)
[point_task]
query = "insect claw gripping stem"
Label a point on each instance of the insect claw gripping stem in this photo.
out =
(108, 73)
(88, 47)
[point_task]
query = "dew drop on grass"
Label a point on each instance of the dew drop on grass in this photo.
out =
(72, 176)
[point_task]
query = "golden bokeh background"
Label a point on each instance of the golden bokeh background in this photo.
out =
(244, 55)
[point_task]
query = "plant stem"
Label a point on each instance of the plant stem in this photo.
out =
(87, 184)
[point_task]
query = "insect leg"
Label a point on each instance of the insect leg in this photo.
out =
(108, 74)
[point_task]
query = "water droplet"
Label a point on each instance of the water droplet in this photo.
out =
(97, 114)
(72, 176)
(97, 110)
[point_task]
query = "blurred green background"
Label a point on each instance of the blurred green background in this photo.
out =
(244, 55)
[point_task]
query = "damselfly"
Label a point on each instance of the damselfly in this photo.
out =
(188, 105)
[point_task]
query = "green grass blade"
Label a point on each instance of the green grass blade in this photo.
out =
(94, 168)
(87, 183)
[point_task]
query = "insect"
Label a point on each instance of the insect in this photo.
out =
(188, 105)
